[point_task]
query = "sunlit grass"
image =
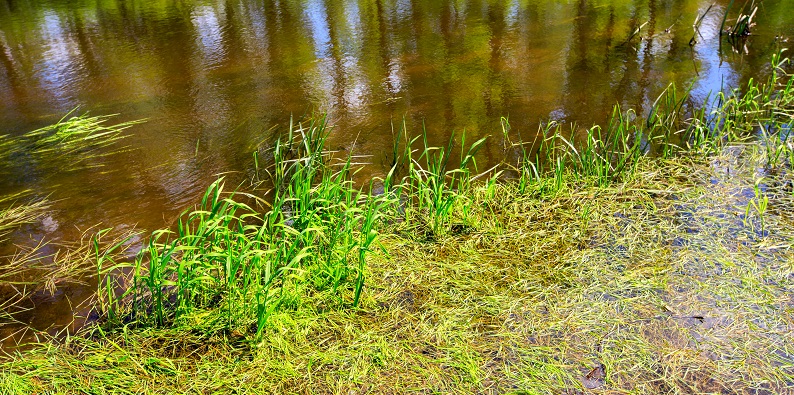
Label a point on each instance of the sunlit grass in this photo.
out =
(74, 142)
(14, 214)
(650, 255)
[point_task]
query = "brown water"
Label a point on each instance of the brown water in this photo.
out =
(213, 76)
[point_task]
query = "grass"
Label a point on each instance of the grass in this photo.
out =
(75, 142)
(13, 214)
(226, 258)
(660, 283)
(650, 255)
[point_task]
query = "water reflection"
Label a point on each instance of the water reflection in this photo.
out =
(212, 75)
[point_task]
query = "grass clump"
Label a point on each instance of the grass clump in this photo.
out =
(744, 22)
(229, 267)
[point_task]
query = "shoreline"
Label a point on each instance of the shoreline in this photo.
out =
(608, 271)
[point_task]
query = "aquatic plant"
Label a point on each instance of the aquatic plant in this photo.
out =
(233, 267)
(72, 143)
(740, 28)
(696, 25)
(14, 214)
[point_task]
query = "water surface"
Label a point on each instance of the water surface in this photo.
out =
(212, 77)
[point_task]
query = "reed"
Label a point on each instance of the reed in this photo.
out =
(725, 17)
(741, 27)
(696, 25)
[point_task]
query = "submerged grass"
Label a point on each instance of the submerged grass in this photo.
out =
(74, 142)
(651, 255)
(42, 269)
(14, 214)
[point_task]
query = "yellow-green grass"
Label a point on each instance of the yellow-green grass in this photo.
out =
(653, 256)
(656, 281)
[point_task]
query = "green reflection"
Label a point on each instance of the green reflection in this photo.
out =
(212, 75)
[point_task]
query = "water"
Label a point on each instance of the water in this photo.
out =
(212, 77)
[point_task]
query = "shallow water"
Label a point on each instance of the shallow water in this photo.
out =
(212, 77)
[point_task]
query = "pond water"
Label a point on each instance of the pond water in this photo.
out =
(212, 77)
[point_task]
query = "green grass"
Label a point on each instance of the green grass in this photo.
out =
(14, 214)
(650, 255)
(657, 279)
(75, 142)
